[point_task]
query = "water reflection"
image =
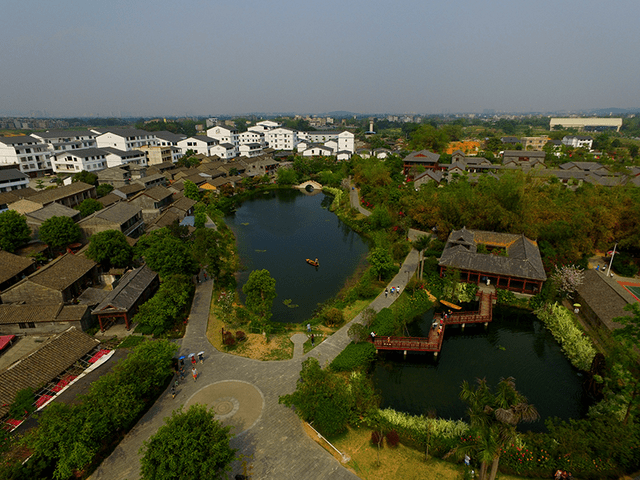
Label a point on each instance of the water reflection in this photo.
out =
(514, 344)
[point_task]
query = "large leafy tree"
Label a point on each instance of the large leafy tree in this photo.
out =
(321, 397)
(381, 262)
(89, 206)
(166, 254)
(494, 417)
(190, 446)
(103, 189)
(86, 177)
(169, 303)
(192, 191)
(110, 248)
(14, 230)
(260, 290)
(59, 231)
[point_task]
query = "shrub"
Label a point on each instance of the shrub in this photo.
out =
(23, 404)
(561, 323)
(354, 356)
(241, 336)
(384, 323)
(228, 339)
(393, 439)
(333, 317)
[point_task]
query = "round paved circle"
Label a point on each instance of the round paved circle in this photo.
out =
(235, 403)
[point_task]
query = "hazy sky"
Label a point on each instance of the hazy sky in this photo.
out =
(190, 57)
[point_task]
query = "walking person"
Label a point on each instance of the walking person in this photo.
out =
(386, 292)
(312, 340)
(194, 372)
(173, 391)
(201, 356)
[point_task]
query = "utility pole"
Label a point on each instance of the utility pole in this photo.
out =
(610, 262)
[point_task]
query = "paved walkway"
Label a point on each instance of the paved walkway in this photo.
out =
(244, 394)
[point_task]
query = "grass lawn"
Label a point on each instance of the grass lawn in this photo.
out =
(393, 463)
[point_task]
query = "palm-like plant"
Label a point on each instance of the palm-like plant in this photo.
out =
(421, 244)
(494, 418)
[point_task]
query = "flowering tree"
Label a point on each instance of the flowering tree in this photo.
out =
(568, 278)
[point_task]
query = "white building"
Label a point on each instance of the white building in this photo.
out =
(317, 150)
(199, 144)
(250, 150)
(250, 136)
(124, 139)
(578, 141)
(281, 138)
(27, 153)
(74, 161)
(60, 140)
(345, 140)
(12, 179)
(224, 134)
(264, 126)
(116, 157)
(225, 151)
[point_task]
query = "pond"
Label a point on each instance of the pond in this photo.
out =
(278, 230)
(515, 344)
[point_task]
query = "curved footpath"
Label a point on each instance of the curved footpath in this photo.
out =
(244, 394)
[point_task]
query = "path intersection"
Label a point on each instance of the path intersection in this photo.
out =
(244, 394)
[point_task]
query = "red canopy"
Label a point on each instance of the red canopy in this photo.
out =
(5, 340)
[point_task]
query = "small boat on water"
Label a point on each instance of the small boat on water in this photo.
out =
(315, 262)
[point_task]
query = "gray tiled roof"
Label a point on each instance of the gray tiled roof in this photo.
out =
(44, 365)
(522, 260)
(11, 265)
(117, 213)
(63, 272)
(53, 210)
(12, 174)
(55, 194)
(423, 156)
(131, 286)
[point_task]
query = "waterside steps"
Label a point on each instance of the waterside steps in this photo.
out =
(433, 343)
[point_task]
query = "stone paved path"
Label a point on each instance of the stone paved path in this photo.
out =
(276, 443)
(298, 340)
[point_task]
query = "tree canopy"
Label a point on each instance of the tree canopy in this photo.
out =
(103, 189)
(110, 248)
(166, 254)
(14, 230)
(86, 177)
(260, 290)
(190, 446)
(89, 206)
(59, 231)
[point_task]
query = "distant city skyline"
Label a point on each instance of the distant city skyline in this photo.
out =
(134, 59)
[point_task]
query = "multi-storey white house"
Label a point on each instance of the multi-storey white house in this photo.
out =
(315, 150)
(338, 141)
(264, 126)
(250, 136)
(12, 179)
(116, 157)
(225, 151)
(124, 139)
(60, 140)
(166, 140)
(199, 144)
(578, 141)
(74, 161)
(28, 153)
(250, 150)
(281, 138)
(224, 134)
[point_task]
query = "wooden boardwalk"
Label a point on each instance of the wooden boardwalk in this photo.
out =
(433, 342)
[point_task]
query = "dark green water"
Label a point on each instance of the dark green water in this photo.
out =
(278, 230)
(515, 345)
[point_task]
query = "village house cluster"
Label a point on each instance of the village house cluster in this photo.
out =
(73, 151)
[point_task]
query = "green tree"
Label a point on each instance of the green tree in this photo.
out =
(192, 191)
(286, 176)
(421, 244)
(110, 248)
(200, 219)
(169, 304)
(166, 254)
(59, 231)
(14, 231)
(89, 206)
(192, 445)
(23, 404)
(494, 418)
(86, 177)
(104, 189)
(260, 290)
(321, 397)
(381, 262)
(380, 218)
